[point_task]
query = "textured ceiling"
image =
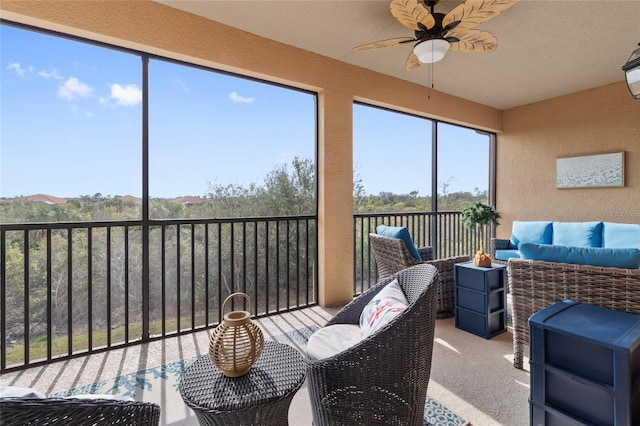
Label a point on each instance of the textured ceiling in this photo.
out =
(546, 48)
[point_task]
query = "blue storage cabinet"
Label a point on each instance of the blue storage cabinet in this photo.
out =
(481, 299)
(585, 366)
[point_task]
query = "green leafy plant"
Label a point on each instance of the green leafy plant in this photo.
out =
(478, 215)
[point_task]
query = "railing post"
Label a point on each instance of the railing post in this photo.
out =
(3, 300)
(146, 288)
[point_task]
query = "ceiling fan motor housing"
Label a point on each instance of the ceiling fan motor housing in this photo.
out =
(437, 31)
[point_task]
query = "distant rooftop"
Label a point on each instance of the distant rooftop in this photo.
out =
(43, 199)
(50, 199)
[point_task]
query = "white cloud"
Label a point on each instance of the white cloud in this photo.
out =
(126, 95)
(51, 74)
(237, 98)
(73, 88)
(18, 69)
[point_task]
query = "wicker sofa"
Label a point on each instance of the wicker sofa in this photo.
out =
(536, 284)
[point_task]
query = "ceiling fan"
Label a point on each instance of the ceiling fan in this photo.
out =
(436, 33)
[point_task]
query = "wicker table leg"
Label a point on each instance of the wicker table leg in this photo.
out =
(274, 414)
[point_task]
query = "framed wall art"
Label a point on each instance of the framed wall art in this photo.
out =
(590, 171)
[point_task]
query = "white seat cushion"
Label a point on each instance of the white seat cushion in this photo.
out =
(332, 340)
(20, 392)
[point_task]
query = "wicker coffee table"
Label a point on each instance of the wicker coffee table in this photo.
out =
(260, 397)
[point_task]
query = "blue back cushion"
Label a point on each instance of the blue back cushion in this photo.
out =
(595, 256)
(530, 232)
(620, 235)
(577, 234)
(399, 232)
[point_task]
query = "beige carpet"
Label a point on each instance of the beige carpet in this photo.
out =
(471, 376)
(475, 377)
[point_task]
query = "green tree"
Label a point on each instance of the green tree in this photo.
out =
(478, 215)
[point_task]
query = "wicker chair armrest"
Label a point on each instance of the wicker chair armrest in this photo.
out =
(446, 284)
(498, 244)
(426, 253)
(21, 411)
(445, 265)
(391, 254)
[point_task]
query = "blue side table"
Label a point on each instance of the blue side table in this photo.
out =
(481, 299)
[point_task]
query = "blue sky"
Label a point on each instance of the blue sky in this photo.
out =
(71, 118)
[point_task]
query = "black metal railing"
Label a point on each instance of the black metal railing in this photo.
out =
(443, 231)
(70, 289)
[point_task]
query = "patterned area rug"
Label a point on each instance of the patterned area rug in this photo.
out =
(167, 377)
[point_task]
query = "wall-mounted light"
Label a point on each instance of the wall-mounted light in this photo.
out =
(432, 50)
(632, 73)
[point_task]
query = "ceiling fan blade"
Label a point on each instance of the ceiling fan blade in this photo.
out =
(475, 41)
(474, 12)
(412, 62)
(384, 43)
(410, 12)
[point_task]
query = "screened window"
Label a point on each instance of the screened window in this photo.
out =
(463, 166)
(393, 163)
(392, 160)
(216, 140)
(72, 138)
(71, 129)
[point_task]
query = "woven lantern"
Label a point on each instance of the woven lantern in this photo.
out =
(236, 344)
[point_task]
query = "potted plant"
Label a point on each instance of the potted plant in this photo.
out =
(478, 215)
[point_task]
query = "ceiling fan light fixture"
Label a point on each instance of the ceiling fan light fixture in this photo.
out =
(432, 50)
(632, 73)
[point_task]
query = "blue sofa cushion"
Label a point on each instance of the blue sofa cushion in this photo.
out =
(577, 234)
(620, 235)
(530, 232)
(595, 256)
(399, 232)
(507, 254)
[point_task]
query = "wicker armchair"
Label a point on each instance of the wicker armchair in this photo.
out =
(535, 284)
(392, 255)
(77, 412)
(383, 379)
